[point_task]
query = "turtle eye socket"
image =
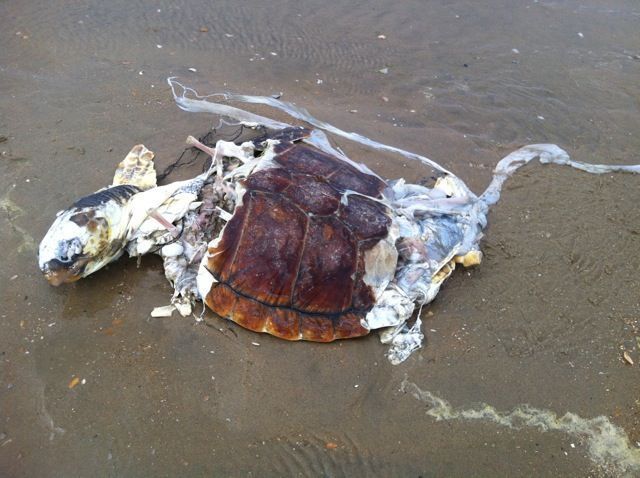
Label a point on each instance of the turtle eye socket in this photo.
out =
(68, 250)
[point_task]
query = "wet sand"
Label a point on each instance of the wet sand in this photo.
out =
(543, 321)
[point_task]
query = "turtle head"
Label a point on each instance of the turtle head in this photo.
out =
(93, 232)
(77, 244)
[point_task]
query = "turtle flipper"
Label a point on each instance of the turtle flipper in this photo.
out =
(136, 169)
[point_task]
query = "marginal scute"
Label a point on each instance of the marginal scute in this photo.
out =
(317, 328)
(222, 299)
(283, 323)
(250, 314)
(348, 326)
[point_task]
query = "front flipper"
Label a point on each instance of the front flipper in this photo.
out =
(136, 169)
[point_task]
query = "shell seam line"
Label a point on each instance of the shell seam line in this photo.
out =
(331, 315)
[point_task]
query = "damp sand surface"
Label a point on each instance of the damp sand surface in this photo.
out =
(90, 385)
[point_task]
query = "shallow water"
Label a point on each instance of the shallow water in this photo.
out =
(543, 321)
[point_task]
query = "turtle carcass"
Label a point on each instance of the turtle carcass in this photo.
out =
(286, 235)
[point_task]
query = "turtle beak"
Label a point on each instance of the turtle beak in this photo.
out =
(57, 272)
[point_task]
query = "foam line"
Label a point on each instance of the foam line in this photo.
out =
(608, 445)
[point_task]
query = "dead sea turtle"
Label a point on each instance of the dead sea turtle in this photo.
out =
(286, 235)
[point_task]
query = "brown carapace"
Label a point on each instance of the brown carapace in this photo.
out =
(290, 261)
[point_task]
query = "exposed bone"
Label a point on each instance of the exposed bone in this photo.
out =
(224, 215)
(183, 305)
(192, 141)
(175, 232)
(215, 153)
(164, 311)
